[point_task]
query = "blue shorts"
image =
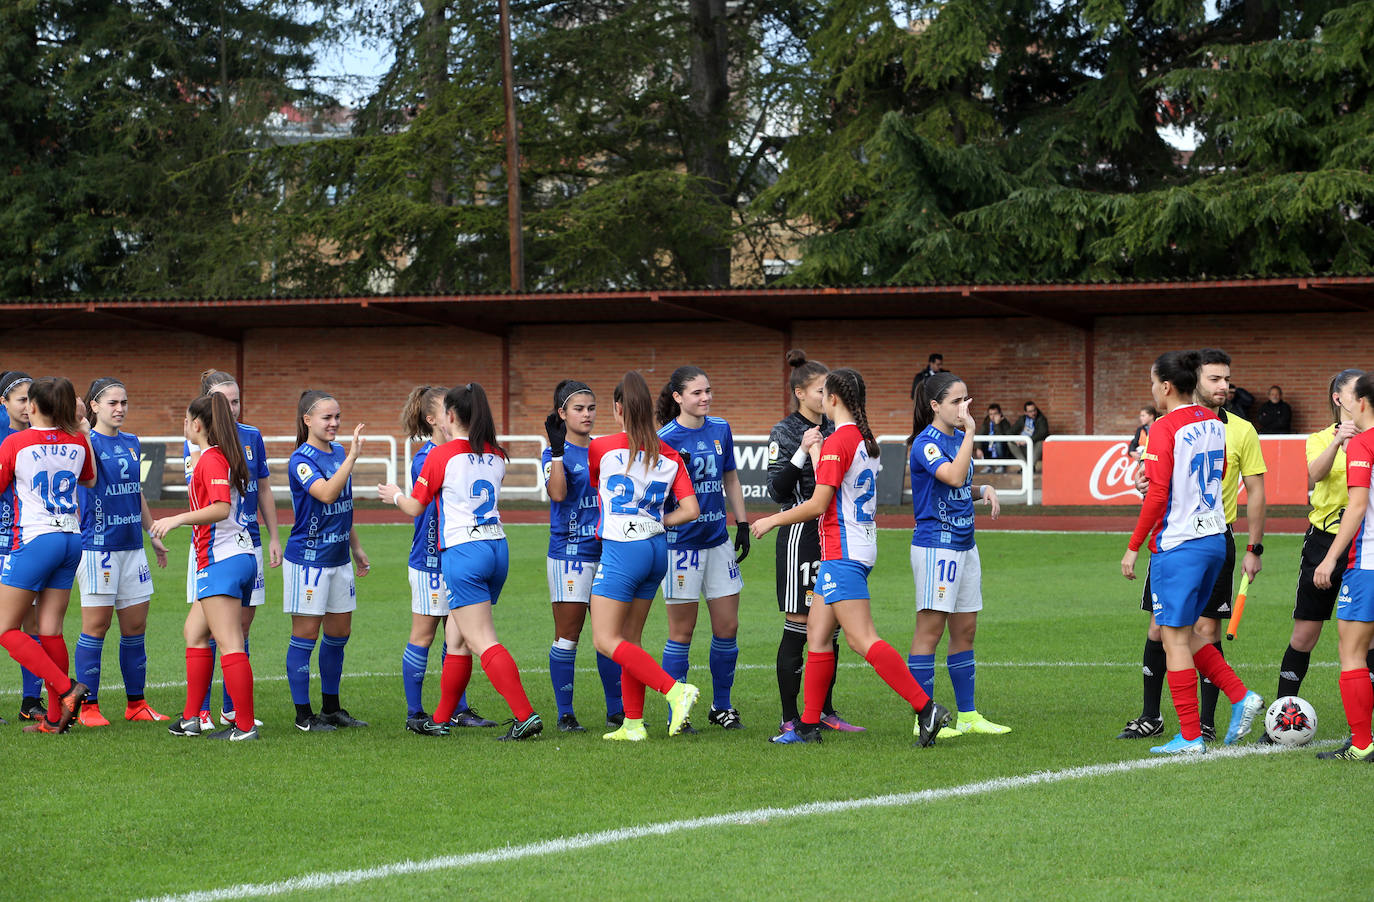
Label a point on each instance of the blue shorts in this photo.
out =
(1356, 601)
(631, 570)
(44, 562)
(1181, 579)
(842, 580)
(235, 576)
(475, 571)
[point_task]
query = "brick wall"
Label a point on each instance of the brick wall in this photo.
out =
(1003, 360)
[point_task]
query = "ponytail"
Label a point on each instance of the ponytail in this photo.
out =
(848, 386)
(469, 405)
(1179, 369)
(415, 413)
(667, 407)
(637, 410)
(221, 428)
(933, 388)
(55, 398)
(306, 404)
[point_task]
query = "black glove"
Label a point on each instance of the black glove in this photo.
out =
(686, 462)
(741, 542)
(557, 431)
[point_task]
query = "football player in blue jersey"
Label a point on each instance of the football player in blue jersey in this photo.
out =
(113, 574)
(318, 579)
(701, 560)
(944, 558)
(574, 549)
(423, 418)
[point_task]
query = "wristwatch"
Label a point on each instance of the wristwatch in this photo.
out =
(1256, 549)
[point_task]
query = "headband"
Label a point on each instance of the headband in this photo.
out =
(109, 384)
(13, 381)
(573, 388)
(318, 400)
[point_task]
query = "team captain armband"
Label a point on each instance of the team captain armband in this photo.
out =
(1148, 456)
(219, 482)
(834, 457)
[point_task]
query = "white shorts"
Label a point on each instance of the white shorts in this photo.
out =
(708, 573)
(259, 584)
(570, 580)
(428, 594)
(947, 580)
(117, 579)
(316, 591)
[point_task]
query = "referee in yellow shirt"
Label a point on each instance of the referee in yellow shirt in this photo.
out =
(1326, 480)
(1243, 461)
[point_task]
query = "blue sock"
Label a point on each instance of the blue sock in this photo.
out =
(922, 669)
(724, 654)
(610, 684)
(462, 702)
(331, 663)
(205, 705)
(32, 683)
(562, 667)
(229, 702)
(298, 669)
(414, 662)
(961, 671)
(88, 649)
(133, 663)
(675, 659)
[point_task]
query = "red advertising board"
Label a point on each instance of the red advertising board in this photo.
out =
(1095, 469)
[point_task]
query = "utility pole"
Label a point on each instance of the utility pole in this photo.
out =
(517, 244)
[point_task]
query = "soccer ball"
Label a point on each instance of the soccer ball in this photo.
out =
(1291, 721)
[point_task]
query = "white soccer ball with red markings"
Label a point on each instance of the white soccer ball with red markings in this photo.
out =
(1291, 721)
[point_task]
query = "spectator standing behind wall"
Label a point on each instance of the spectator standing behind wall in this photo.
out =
(1034, 425)
(1147, 418)
(935, 363)
(1275, 417)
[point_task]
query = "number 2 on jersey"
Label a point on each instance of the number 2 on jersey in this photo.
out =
(865, 478)
(486, 492)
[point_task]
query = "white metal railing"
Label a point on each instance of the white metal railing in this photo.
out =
(174, 443)
(1027, 466)
(518, 467)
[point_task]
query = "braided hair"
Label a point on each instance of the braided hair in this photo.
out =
(847, 385)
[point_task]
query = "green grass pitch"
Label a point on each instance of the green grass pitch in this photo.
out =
(129, 811)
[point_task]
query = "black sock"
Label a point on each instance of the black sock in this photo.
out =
(1154, 667)
(28, 701)
(137, 697)
(328, 703)
(1292, 671)
(304, 712)
(1207, 696)
(1369, 662)
(791, 660)
(829, 707)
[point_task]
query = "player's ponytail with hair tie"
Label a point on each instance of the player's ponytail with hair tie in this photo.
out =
(637, 410)
(932, 389)
(848, 386)
(470, 406)
(415, 413)
(217, 416)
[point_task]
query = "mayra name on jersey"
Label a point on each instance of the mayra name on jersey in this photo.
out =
(1198, 430)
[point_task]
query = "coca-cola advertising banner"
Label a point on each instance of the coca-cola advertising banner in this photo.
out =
(1095, 469)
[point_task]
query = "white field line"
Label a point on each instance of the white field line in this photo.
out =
(434, 670)
(326, 879)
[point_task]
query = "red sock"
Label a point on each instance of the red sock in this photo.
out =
(893, 670)
(238, 679)
(1183, 689)
(30, 654)
(500, 668)
(56, 649)
(642, 664)
(632, 694)
(1357, 695)
(820, 670)
(453, 680)
(200, 667)
(1210, 663)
